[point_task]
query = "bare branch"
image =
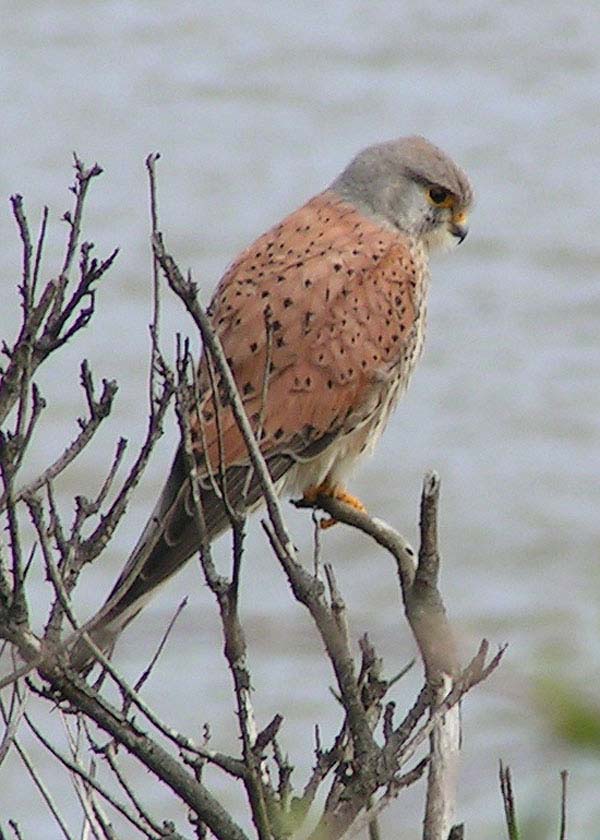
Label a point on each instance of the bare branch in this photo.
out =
(397, 784)
(148, 670)
(38, 253)
(564, 775)
(51, 322)
(17, 608)
(442, 781)
(508, 801)
(83, 178)
(23, 225)
(108, 752)
(154, 327)
(11, 718)
(97, 541)
(426, 615)
(400, 750)
(75, 767)
(101, 410)
(45, 793)
(383, 534)
(149, 752)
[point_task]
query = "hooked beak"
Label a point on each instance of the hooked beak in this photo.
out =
(458, 226)
(460, 231)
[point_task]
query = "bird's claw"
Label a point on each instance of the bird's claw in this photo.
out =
(312, 493)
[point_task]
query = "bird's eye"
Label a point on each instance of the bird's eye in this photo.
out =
(439, 196)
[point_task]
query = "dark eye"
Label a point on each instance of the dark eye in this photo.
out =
(438, 195)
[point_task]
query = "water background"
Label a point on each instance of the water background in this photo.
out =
(255, 107)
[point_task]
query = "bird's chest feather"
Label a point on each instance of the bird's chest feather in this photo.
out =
(398, 306)
(391, 326)
(395, 315)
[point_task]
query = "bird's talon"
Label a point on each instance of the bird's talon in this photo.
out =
(348, 499)
(312, 493)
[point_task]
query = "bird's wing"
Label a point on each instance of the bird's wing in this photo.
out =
(326, 301)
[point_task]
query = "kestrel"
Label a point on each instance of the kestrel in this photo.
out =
(333, 301)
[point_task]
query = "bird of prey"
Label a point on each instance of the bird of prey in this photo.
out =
(333, 301)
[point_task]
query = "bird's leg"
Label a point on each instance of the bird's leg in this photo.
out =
(311, 494)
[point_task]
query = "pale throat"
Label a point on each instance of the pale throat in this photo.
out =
(439, 239)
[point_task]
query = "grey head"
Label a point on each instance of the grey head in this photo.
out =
(413, 186)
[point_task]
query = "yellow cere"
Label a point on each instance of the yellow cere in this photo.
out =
(460, 217)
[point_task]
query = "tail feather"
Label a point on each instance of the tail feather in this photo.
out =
(169, 539)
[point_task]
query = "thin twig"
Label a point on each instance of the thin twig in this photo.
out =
(154, 326)
(75, 768)
(155, 758)
(109, 754)
(397, 784)
(148, 670)
(23, 225)
(508, 801)
(95, 821)
(475, 672)
(564, 775)
(18, 604)
(97, 541)
(45, 793)
(12, 718)
(38, 252)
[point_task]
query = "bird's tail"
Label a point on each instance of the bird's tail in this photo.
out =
(169, 539)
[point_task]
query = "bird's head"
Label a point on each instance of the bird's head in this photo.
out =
(413, 186)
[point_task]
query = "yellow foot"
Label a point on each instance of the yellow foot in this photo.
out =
(325, 489)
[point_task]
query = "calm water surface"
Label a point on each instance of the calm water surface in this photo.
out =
(255, 107)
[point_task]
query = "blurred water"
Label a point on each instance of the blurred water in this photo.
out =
(255, 107)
